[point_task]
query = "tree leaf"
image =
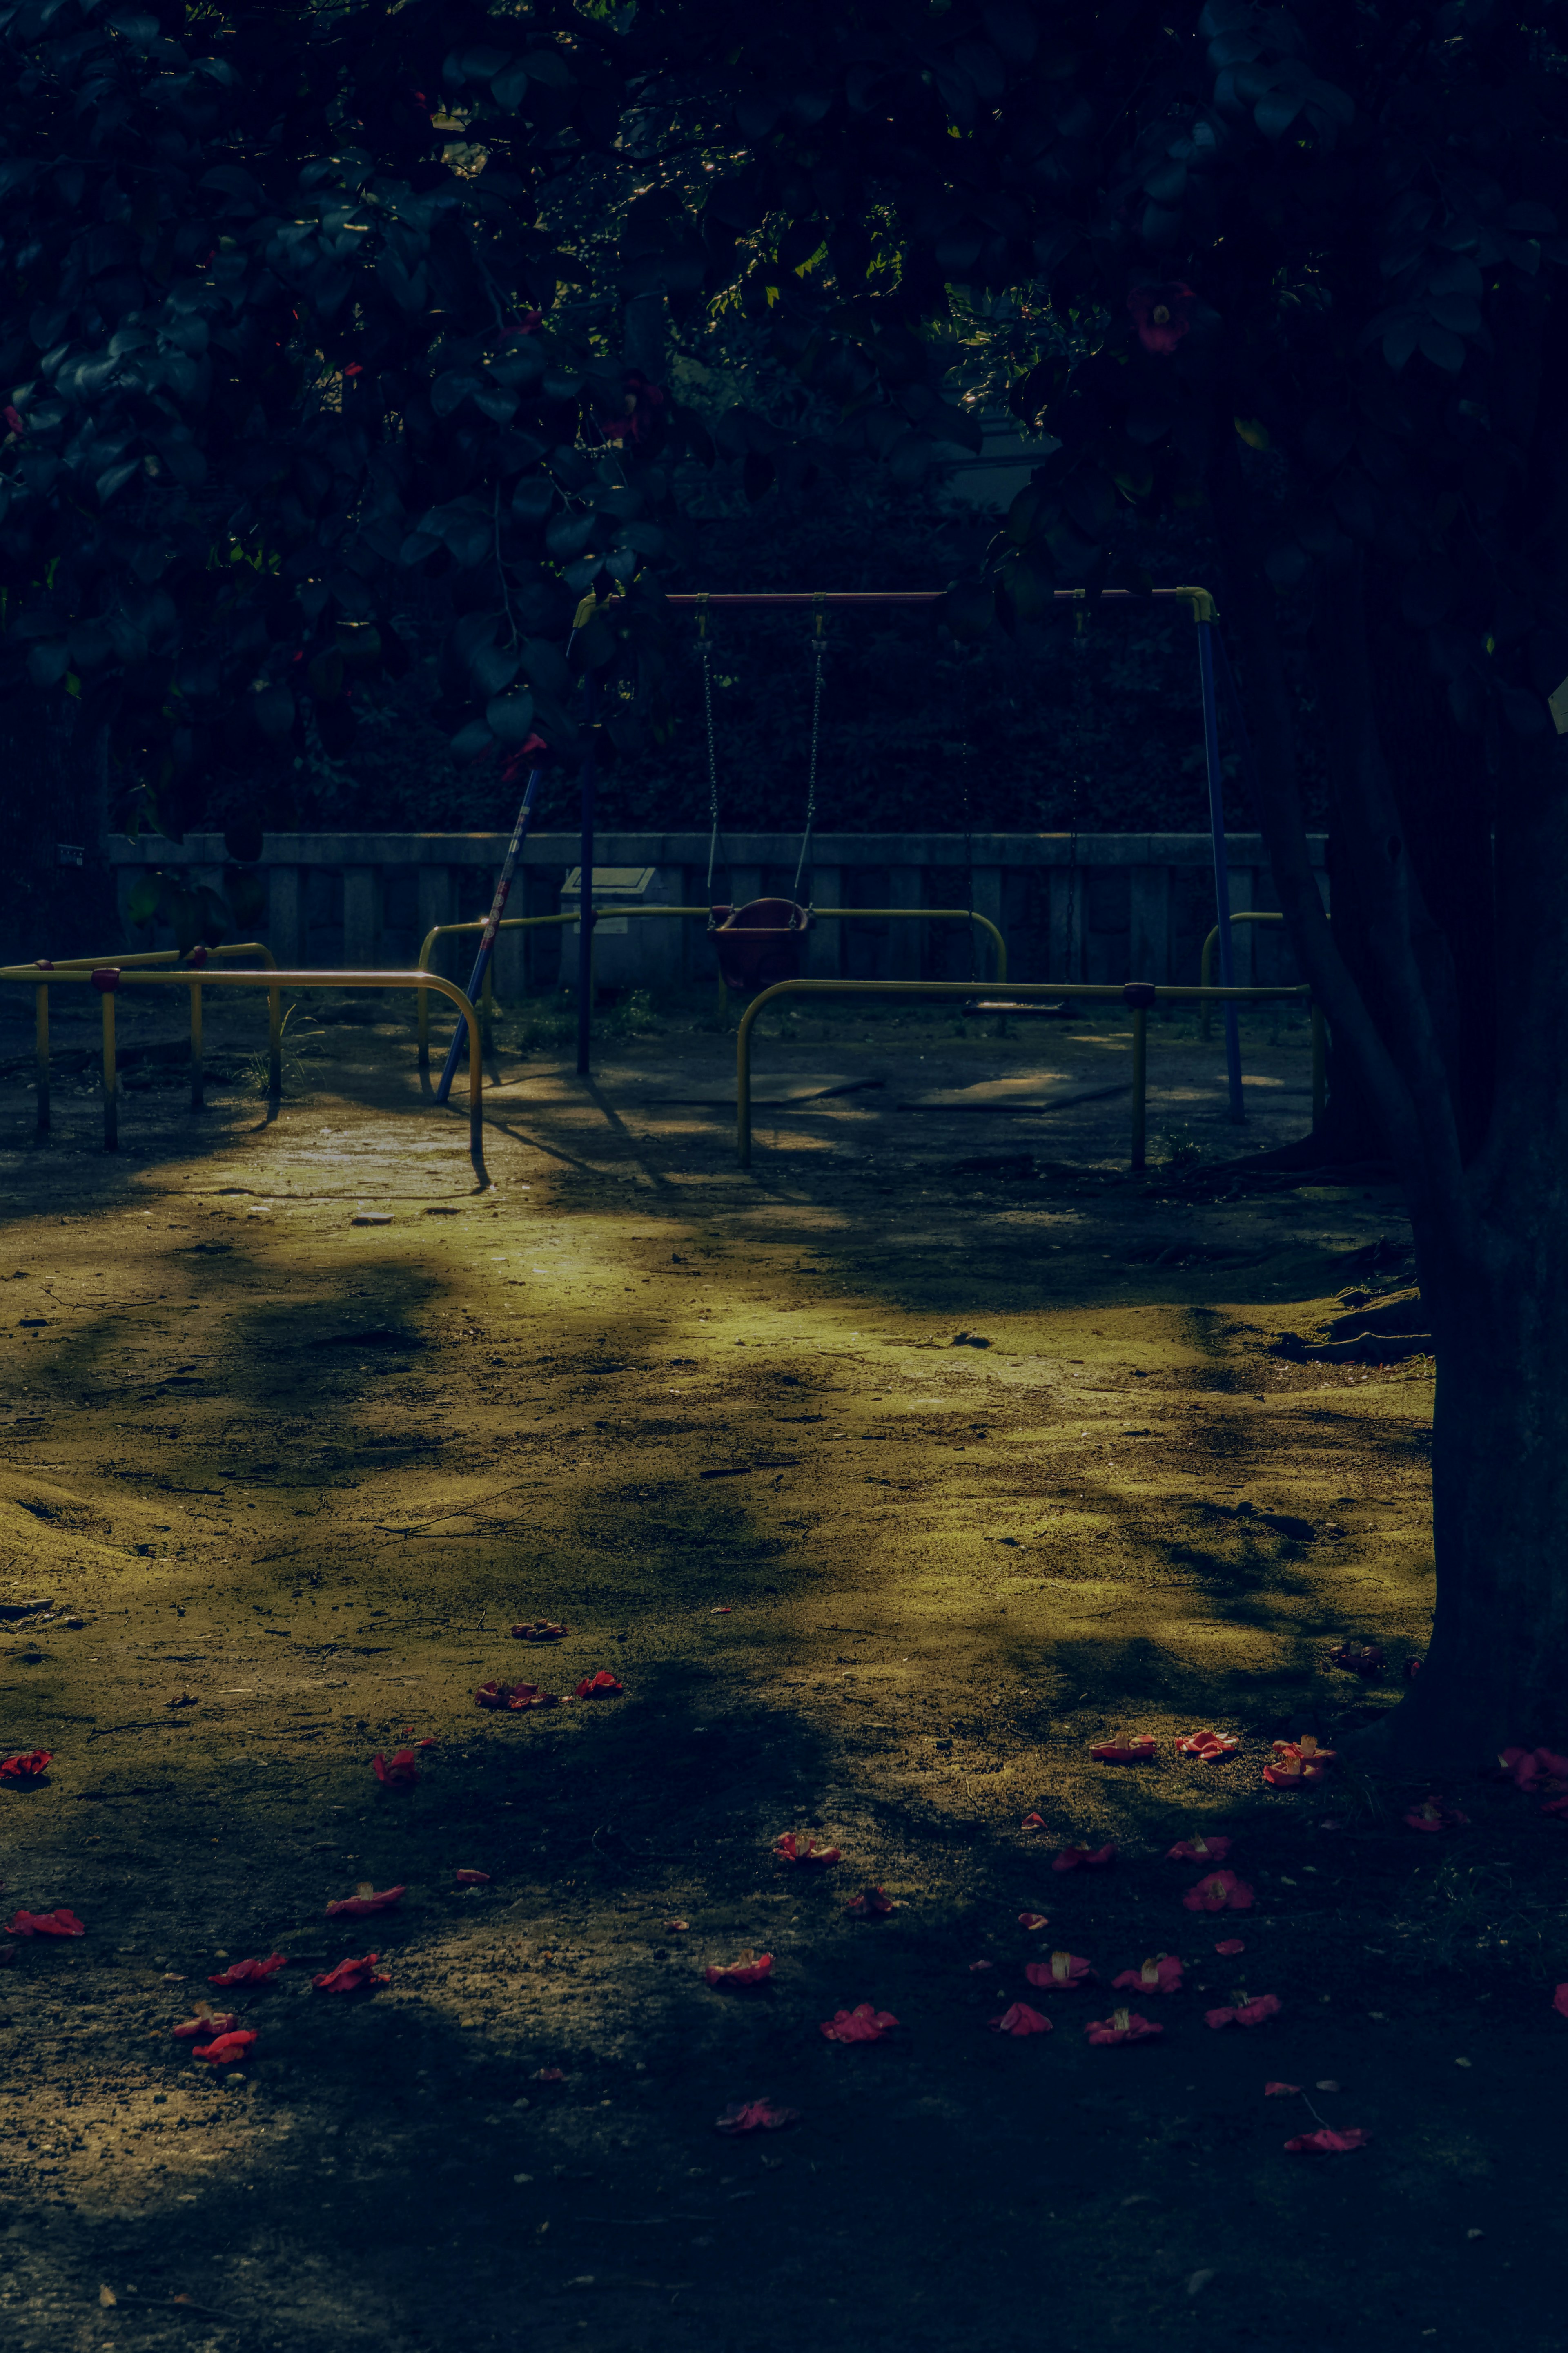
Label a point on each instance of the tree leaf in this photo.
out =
(510, 718)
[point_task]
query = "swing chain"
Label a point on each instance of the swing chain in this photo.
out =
(1080, 705)
(706, 651)
(819, 649)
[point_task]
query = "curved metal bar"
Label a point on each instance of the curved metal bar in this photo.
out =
(1205, 965)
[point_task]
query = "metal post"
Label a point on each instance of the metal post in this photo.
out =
(487, 937)
(1320, 1066)
(586, 900)
(106, 984)
(197, 1101)
(275, 1043)
(1140, 1073)
(1202, 613)
(41, 1009)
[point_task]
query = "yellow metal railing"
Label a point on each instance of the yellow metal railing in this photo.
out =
(115, 974)
(1139, 997)
(1206, 964)
(141, 960)
(825, 914)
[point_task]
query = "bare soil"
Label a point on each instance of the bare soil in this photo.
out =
(887, 1478)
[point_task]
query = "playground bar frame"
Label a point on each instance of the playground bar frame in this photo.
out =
(73, 968)
(1138, 995)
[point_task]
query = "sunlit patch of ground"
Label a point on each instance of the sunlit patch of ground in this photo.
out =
(887, 1478)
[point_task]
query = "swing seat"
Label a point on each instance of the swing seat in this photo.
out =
(759, 943)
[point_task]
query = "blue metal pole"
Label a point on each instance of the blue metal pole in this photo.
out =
(586, 900)
(1221, 871)
(487, 937)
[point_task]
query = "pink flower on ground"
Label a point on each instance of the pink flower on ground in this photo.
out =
(1078, 1858)
(1122, 2026)
(1199, 1848)
(1365, 1659)
(58, 1923)
(1558, 1806)
(1161, 314)
(514, 1698)
(539, 1629)
(1535, 1769)
(23, 1770)
(1228, 1945)
(788, 1849)
(1432, 1814)
(1032, 1822)
(1559, 2001)
(861, 2024)
(752, 1969)
(471, 1878)
(1034, 1921)
(249, 1972)
(1327, 2140)
(228, 2049)
(1211, 1746)
(1162, 1975)
(1062, 1970)
(1280, 2091)
(1220, 1891)
(1137, 1751)
(360, 1906)
(1243, 2012)
(349, 1975)
(1298, 1764)
(400, 1773)
(756, 2115)
(1020, 2020)
(603, 1685)
(976, 1966)
(548, 2075)
(870, 1904)
(203, 2029)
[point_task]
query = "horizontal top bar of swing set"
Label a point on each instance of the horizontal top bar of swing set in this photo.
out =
(715, 599)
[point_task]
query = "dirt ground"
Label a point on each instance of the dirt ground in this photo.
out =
(887, 1478)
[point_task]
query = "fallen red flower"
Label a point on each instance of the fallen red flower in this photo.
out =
(1061, 1969)
(228, 2049)
(194, 2030)
(976, 1966)
(360, 1906)
(1365, 1659)
(539, 1629)
(1228, 1945)
(1326, 2140)
(1280, 2091)
(861, 2024)
(789, 1850)
(32, 1767)
(58, 1923)
(1078, 1858)
(756, 2115)
(1298, 1764)
(472, 1878)
(870, 1904)
(514, 1697)
(1220, 1891)
(400, 1773)
(1243, 2012)
(602, 1685)
(1432, 1814)
(1125, 1752)
(251, 1972)
(1032, 1822)
(749, 1970)
(1535, 1769)
(549, 2075)
(1199, 1848)
(1122, 2026)
(1020, 2020)
(1559, 2001)
(1412, 1668)
(1211, 1746)
(1162, 1975)
(1033, 1921)
(349, 1975)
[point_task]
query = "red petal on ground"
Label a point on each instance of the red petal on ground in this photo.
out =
(1078, 1858)
(549, 2075)
(749, 1970)
(1432, 1814)
(228, 2049)
(400, 1773)
(251, 1972)
(1280, 2091)
(58, 1923)
(358, 1907)
(788, 1849)
(1140, 1751)
(1020, 2020)
(1366, 1658)
(514, 1697)
(870, 1904)
(539, 1629)
(1063, 1969)
(1326, 2140)
(1162, 1975)
(1298, 1764)
(861, 2024)
(1559, 2001)
(1122, 2026)
(677, 1928)
(1211, 1746)
(1034, 1921)
(1199, 1848)
(1558, 1806)
(976, 1966)
(1220, 1891)
(602, 1685)
(197, 2030)
(1245, 2013)
(30, 1766)
(1031, 1822)
(471, 1878)
(1230, 1944)
(756, 2115)
(349, 1975)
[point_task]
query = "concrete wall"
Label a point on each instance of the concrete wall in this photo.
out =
(1113, 907)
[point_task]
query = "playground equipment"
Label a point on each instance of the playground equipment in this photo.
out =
(109, 977)
(1138, 995)
(141, 960)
